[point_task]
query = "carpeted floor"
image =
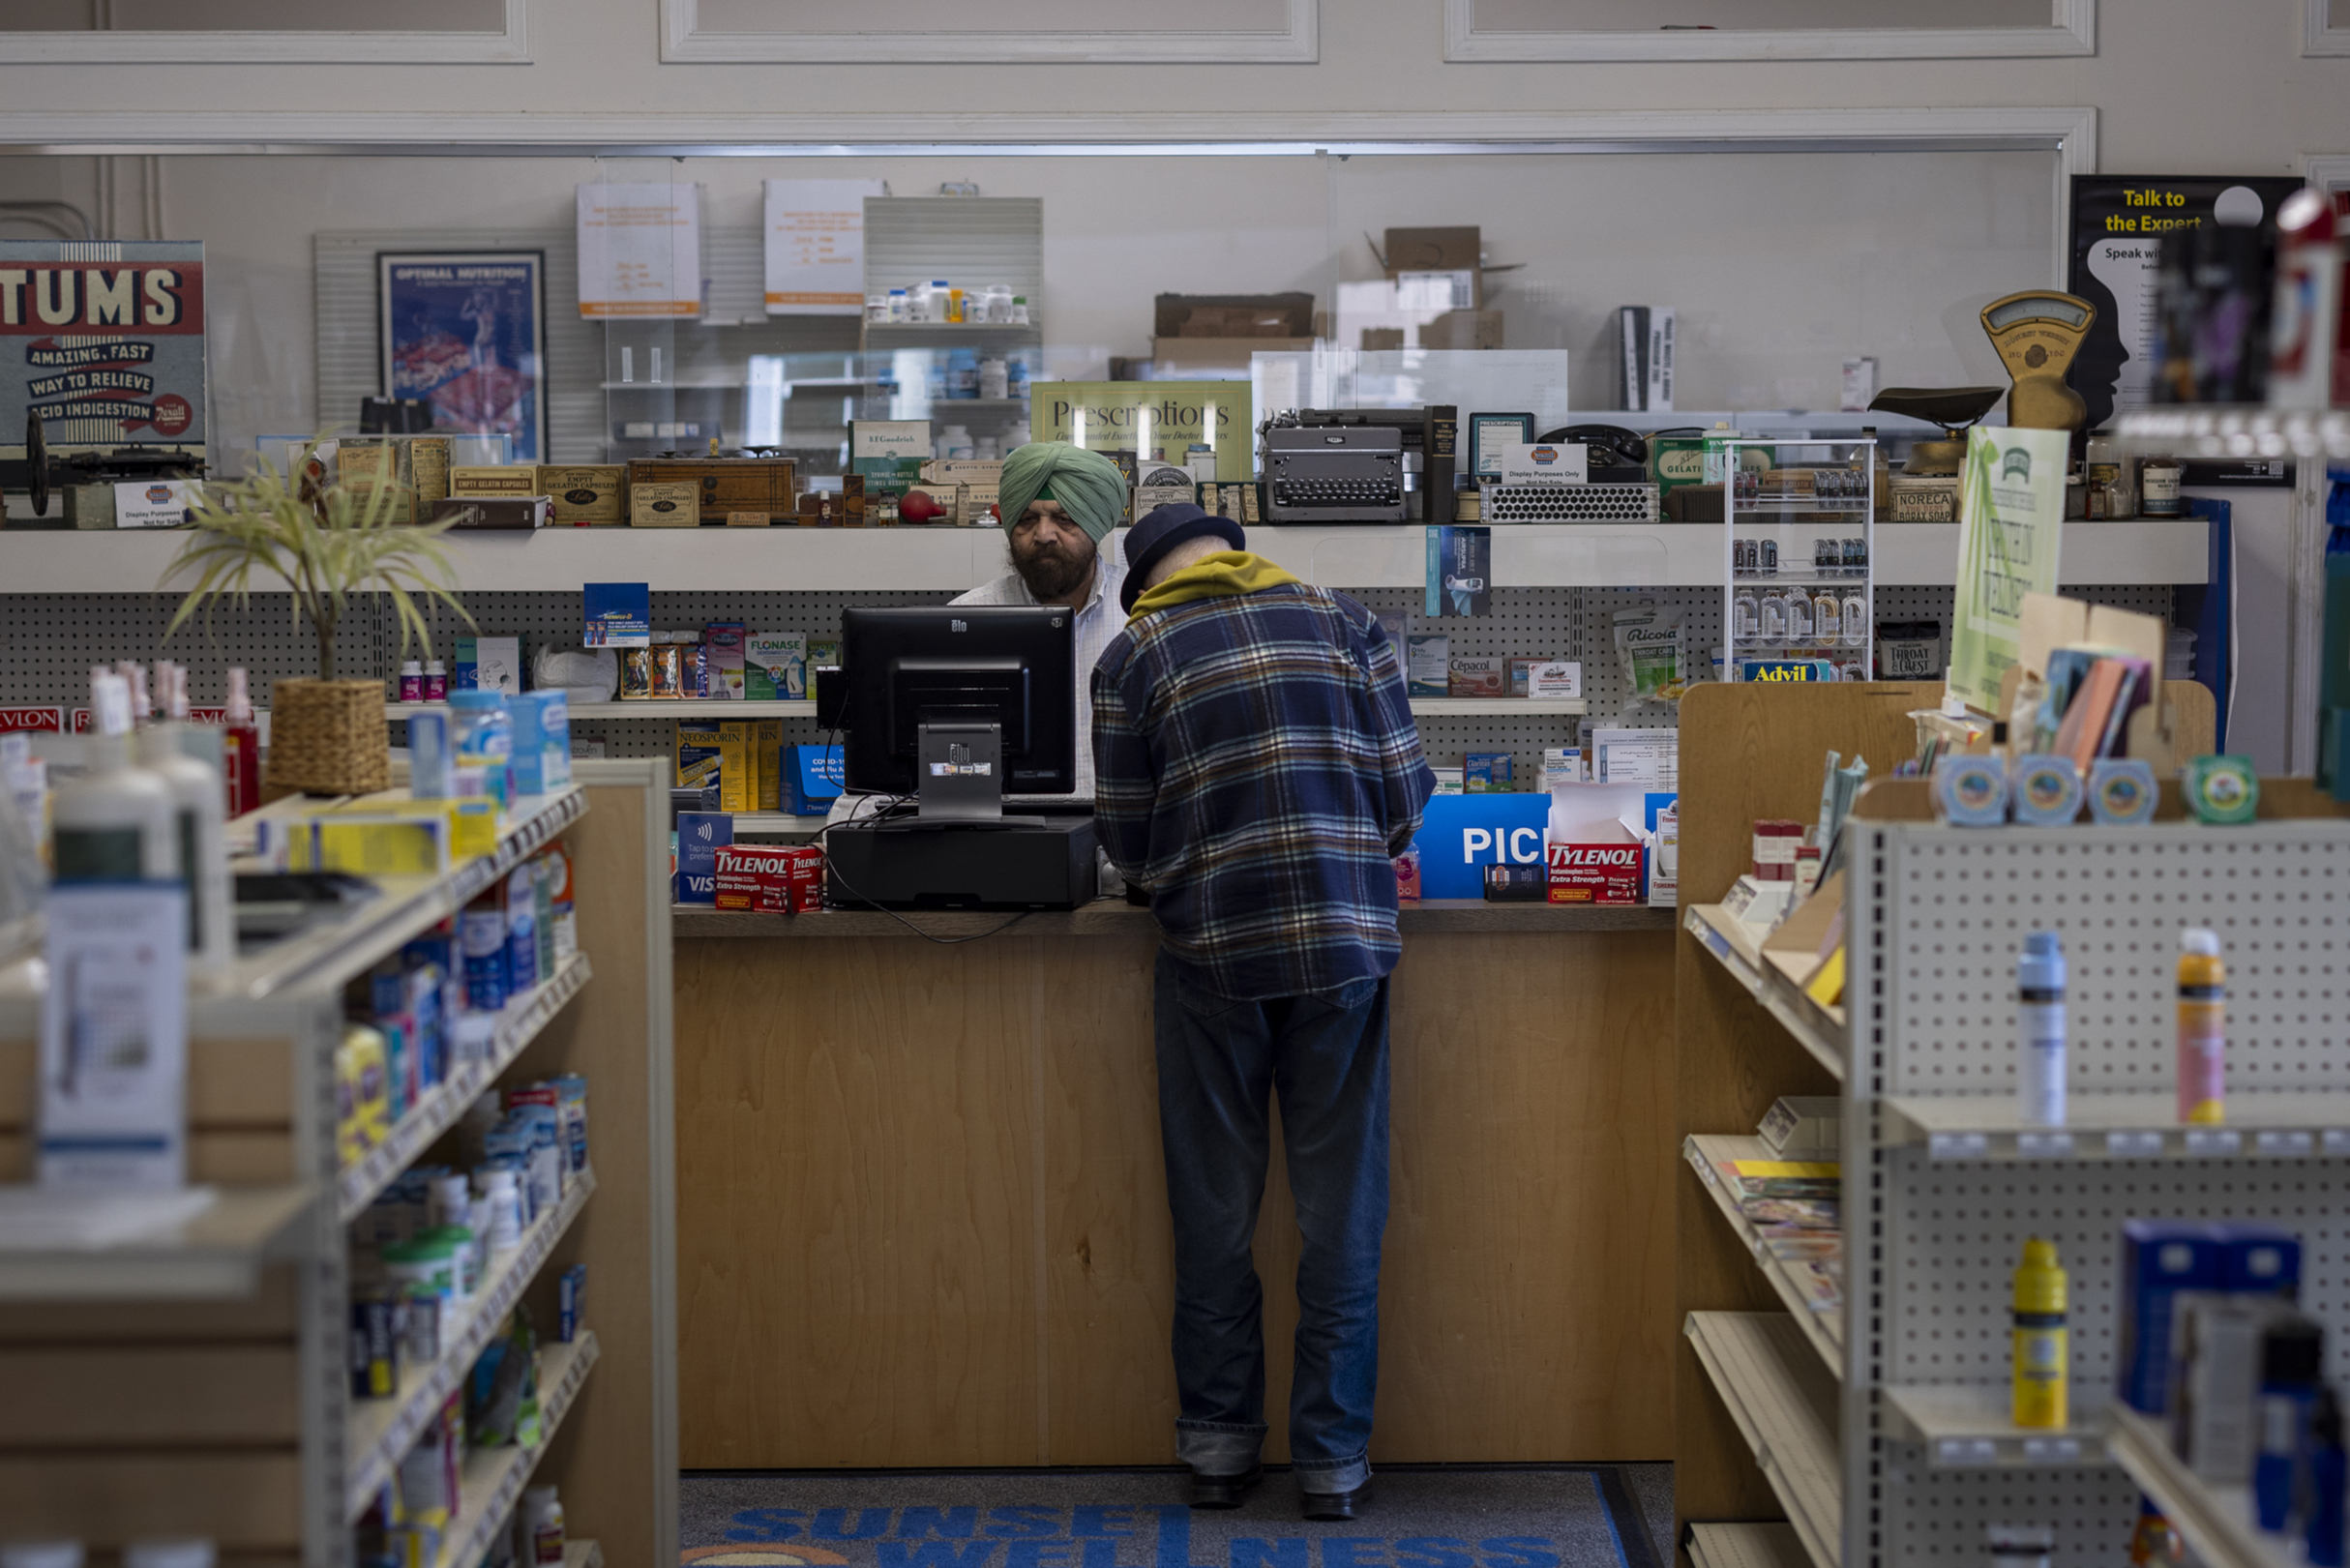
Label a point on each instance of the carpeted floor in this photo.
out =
(1607, 1516)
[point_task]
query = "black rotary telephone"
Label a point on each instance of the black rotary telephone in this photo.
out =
(1614, 456)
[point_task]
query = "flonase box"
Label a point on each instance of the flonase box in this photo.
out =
(591, 496)
(726, 484)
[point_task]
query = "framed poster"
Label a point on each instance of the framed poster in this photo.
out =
(2118, 222)
(465, 331)
(104, 341)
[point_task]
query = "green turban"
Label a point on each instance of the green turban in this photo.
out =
(1087, 485)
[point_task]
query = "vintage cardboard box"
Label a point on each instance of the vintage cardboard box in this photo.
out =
(888, 454)
(726, 484)
(586, 496)
(512, 479)
(652, 505)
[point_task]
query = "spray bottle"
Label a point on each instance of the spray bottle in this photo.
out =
(2202, 1029)
(202, 846)
(2040, 1012)
(115, 824)
(2041, 1376)
(241, 748)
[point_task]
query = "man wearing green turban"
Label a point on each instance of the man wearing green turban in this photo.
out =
(1058, 504)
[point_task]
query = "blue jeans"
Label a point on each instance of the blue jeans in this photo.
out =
(1219, 1062)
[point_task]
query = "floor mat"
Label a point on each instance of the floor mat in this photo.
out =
(1606, 1516)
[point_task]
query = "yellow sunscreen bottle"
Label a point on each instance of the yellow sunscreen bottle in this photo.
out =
(2041, 1380)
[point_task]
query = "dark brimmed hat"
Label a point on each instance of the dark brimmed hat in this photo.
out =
(1161, 530)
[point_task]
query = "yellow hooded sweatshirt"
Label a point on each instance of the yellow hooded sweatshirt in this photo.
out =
(1227, 574)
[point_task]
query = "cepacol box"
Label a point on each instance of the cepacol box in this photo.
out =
(1597, 863)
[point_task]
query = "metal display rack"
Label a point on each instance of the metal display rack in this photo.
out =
(1791, 558)
(1937, 1166)
(237, 1421)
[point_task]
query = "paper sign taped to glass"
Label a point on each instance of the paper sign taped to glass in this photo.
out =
(2010, 521)
(104, 341)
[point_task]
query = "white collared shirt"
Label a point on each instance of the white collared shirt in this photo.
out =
(1101, 618)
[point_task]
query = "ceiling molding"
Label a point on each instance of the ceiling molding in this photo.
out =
(2073, 31)
(2318, 35)
(510, 47)
(2327, 171)
(683, 43)
(2072, 131)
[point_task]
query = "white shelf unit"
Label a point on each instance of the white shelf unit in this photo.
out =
(2226, 430)
(1784, 1404)
(492, 1479)
(254, 1437)
(1786, 559)
(2141, 551)
(1937, 1165)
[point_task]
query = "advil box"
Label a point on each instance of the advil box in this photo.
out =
(1597, 863)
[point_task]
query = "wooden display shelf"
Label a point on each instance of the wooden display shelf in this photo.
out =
(493, 1478)
(1747, 1546)
(383, 1430)
(439, 1107)
(1738, 949)
(2218, 1522)
(1823, 1331)
(1785, 1407)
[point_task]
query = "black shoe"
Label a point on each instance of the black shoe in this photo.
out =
(1223, 1491)
(1335, 1507)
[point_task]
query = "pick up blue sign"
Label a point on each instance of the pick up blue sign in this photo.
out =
(1461, 834)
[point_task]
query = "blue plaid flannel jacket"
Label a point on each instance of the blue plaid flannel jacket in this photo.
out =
(1256, 766)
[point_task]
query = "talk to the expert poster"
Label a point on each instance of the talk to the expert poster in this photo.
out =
(2011, 526)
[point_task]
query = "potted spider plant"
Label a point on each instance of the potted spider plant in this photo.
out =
(328, 546)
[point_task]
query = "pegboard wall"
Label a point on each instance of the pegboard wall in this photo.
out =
(51, 640)
(1934, 1244)
(1959, 904)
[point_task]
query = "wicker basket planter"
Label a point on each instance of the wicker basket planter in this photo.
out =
(328, 737)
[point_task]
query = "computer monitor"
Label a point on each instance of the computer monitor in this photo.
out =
(1013, 667)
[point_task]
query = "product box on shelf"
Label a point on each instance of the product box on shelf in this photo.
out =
(1478, 677)
(755, 877)
(494, 480)
(889, 453)
(725, 484)
(725, 640)
(775, 666)
(814, 776)
(2160, 1259)
(1595, 863)
(542, 740)
(513, 514)
(1428, 663)
(652, 505)
(587, 495)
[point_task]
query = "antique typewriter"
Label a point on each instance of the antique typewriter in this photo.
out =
(1349, 472)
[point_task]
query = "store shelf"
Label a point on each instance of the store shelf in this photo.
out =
(382, 1429)
(692, 708)
(2143, 552)
(2137, 1124)
(1776, 507)
(440, 1107)
(2216, 1520)
(335, 950)
(1737, 948)
(1823, 1331)
(1497, 708)
(215, 1253)
(2228, 430)
(1747, 1546)
(1785, 1407)
(1968, 1428)
(492, 1480)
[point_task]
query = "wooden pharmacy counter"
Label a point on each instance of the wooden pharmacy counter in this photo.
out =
(922, 1220)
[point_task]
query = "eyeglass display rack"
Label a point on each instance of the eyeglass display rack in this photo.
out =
(195, 1381)
(1799, 551)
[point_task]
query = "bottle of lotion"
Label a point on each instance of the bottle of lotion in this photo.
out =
(2040, 1012)
(2202, 1029)
(201, 844)
(116, 822)
(2040, 1375)
(241, 748)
